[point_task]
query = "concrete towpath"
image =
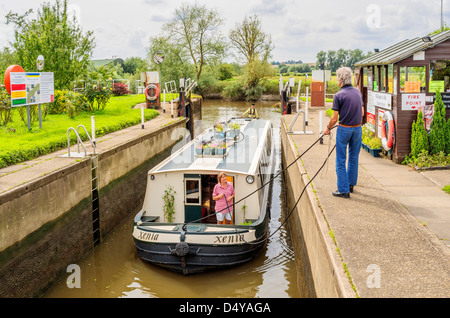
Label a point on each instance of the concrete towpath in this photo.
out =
(20, 174)
(396, 224)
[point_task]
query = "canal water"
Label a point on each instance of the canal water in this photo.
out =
(113, 270)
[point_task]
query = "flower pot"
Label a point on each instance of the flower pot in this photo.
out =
(375, 152)
(219, 134)
(220, 151)
(233, 133)
(207, 151)
(198, 151)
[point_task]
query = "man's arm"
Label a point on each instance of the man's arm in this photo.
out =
(332, 122)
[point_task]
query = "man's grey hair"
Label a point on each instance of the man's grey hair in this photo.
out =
(344, 75)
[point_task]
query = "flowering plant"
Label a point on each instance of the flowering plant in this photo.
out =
(99, 93)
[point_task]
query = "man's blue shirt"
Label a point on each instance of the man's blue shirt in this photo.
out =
(348, 103)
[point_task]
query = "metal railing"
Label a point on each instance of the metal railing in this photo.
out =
(79, 141)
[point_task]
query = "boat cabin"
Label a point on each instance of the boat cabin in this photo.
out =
(189, 175)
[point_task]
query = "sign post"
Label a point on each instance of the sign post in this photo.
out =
(31, 89)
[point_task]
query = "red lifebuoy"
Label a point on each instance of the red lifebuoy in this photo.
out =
(387, 141)
(147, 92)
(12, 68)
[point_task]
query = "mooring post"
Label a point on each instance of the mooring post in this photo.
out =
(142, 116)
(164, 102)
(321, 126)
(93, 131)
(306, 106)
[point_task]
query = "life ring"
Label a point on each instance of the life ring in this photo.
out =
(387, 141)
(147, 92)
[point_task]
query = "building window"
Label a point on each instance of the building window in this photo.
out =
(382, 83)
(439, 76)
(375, 78)
(412, 79)
(390, 78)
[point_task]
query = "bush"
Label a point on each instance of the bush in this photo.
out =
(419, 136)
(67, 102)
(97, 95)
(5, 106)
(438, 127)
(234, 91)
(120, 89)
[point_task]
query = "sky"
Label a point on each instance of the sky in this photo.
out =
(299, 29)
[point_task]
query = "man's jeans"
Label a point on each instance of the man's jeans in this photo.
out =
(346, 176)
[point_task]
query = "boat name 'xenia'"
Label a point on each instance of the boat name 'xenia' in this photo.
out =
(227, 239)
(146, 236)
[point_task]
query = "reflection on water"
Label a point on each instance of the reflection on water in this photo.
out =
(114, 270)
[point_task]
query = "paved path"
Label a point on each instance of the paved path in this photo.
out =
(395, 223)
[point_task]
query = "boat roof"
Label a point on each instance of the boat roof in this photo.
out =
(241, 157)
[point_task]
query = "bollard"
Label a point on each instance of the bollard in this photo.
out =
(164, 102)
(321, 126)
(306, 107)
(142, 116)
(93, 131)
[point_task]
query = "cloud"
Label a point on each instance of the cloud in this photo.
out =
(269, 7)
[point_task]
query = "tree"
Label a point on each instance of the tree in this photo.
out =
(66, 49)
(196, 30)
(321, 59)
(176, 62)
(133, 65)
(438, 127)
(250, 40)
(419, 136)
(7, 57)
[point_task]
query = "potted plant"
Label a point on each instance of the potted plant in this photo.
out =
(218, 131)
(374, 146)
(198, 149)
(221, 149)
(207, 150)
(235, 129)
(214, 146)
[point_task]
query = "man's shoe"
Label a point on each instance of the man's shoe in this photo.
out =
(351, 189)
(341, 195)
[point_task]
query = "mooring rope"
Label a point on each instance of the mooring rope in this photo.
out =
(271, 180)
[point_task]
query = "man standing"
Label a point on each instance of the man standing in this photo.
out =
(348, 108)
(251, 112)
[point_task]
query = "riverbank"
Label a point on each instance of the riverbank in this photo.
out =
(390, 239)
(53, 208)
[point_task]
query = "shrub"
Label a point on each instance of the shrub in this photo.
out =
(438, 127)
(419, 136)
(67, 102)
(97, 95)
(234, 91)
(5, 106)
(120, 89)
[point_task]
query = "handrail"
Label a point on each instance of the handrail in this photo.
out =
(85, 130)
(78, 140)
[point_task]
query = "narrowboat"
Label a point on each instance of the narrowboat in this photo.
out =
(177, 227)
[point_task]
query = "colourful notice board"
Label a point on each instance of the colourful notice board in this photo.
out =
(31, 88)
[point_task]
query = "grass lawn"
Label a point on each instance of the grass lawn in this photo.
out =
(17, 144)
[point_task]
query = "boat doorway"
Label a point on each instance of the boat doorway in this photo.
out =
(199, 203)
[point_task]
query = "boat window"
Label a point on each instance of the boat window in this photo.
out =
(192, 192)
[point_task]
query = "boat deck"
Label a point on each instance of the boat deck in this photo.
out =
(240, 155)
